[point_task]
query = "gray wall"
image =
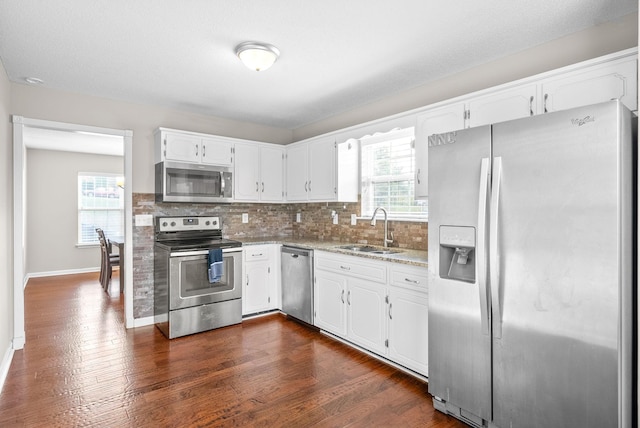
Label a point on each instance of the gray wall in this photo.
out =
(6, 217)
(41, 103)
(52, 209)
(591, 43)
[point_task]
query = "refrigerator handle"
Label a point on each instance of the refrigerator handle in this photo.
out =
(481, 249)
(494, 256)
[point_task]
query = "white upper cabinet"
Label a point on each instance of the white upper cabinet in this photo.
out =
(591, 82)
(612, 80)
(297, 164)
(182, 146)
(272, 173)
(259, 172)
(436, 121)
(512, 103)
(320, 170)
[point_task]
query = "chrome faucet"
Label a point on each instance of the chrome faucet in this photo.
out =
(385, 241)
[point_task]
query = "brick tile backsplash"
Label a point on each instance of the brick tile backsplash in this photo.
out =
(265, 220)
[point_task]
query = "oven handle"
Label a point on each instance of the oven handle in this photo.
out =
(203, 252)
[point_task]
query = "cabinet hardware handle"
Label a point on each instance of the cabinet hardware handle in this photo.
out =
(349, 298)
(203, 149)
(257, 186)
(196, 151)
(263, 187)
(546, 97)
(305, 186)
(390, 307)
(342, 296)
(309, 185)
(413, 281)
(531, 105)
(345, 267)
(257, 255)
(418, 176)
(247, 280)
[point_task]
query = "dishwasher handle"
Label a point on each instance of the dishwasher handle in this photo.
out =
(295, 252)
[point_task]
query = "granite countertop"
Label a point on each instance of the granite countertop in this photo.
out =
(405, 256)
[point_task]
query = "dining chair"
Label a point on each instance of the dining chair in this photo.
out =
(108, 259)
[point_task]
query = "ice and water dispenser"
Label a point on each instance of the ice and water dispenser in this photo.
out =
(458, 253)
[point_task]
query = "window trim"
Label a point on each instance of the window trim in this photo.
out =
(121, 208)
(381, 137)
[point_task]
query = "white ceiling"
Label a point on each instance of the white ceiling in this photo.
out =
(336, 55)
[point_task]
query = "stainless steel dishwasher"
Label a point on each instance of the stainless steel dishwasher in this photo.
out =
(297, 283)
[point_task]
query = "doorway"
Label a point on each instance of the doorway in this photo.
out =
(40, 134)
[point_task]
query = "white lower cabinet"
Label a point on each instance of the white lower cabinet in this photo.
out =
(379, 306)
(408, 322)
(260, 278)
(366, 309)
(329, 301)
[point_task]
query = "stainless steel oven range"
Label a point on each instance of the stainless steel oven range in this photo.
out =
(185, 302)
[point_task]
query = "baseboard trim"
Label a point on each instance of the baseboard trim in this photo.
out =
(5, 365)
(60, 272)
(142, 322)
(377, 357)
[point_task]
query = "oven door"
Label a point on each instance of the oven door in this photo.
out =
(189, 281)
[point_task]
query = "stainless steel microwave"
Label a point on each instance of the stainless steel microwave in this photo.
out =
(187, 182)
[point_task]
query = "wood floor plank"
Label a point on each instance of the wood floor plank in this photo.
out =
(81, 367)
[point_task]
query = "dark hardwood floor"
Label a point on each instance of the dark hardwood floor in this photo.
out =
(80, 367)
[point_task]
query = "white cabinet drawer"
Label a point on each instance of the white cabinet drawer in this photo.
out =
(256, 252)
(411, 277)
(352, 266)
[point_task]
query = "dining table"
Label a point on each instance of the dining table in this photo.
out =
(118, 240)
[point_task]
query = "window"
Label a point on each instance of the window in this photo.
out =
(387, 165)
(100, 204)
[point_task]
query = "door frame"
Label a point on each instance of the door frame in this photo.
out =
(19, 213)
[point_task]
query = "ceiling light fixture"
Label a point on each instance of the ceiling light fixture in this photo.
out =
(257, 56)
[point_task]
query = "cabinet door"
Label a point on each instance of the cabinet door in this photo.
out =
(246, 172)
(297, 182)
(255, 296)
(217, 152)
(509, 104)
(329, 299)
(436, 121)
(408, 322)
(613, 80)
(322, 170)
(271, 174)
(366, 314)
(184, 148)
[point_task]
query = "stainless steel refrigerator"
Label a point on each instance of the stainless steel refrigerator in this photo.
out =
(532, 240)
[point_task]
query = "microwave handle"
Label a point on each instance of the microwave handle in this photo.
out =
(222, 184)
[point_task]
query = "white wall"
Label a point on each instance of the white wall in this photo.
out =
(40, 103)
(591, 43)
(6, 225)
(52, 209)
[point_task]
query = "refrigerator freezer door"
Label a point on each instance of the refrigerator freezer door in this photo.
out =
(560, 271)
(459, 350)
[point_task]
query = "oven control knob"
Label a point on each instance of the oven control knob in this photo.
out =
(164, 223)
(215, 222)
(208, 223)
(173, 223)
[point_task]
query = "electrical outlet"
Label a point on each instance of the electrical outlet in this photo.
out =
(354, 220)
(245, 217)
(298, 217)
(144, 220)
(335, 218)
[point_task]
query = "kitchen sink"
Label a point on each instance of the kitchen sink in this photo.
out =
(368, 249)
